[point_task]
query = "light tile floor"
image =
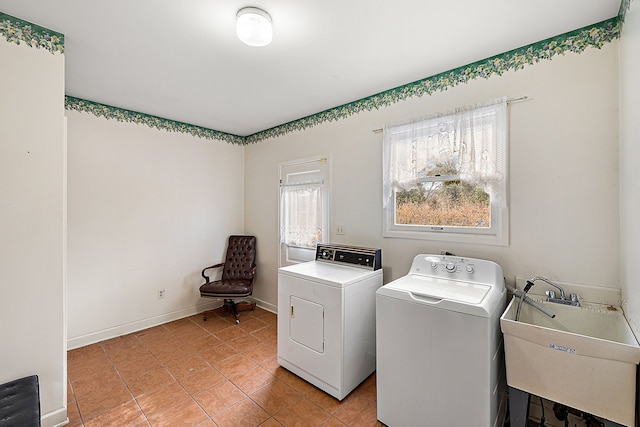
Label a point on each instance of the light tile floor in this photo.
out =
(196, 373)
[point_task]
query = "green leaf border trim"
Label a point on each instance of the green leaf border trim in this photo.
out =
(576, 41)
(122, 115)
(15, 30)
(622, 12)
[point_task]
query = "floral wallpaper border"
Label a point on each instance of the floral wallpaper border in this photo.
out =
(15, 30)
(597, 35)
(121, 115)
(622, 12)
(576, 41)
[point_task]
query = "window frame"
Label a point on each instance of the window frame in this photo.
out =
(496, 234)
(318, 168)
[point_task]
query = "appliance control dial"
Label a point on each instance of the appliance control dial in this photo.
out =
(326, 254)
(450, 267)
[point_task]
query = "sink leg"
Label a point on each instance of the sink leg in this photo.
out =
(519, 407)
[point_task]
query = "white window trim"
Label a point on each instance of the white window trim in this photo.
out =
(496, 234)
(289, 254)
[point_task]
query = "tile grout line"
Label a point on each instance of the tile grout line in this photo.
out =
(187, 341)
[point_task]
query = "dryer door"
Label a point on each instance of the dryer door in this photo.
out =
(306, 323)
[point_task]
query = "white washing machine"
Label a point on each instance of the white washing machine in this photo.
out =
(326, 317)
(440, 359)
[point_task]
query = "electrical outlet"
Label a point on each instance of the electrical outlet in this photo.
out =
(340, 230)
(161, 293)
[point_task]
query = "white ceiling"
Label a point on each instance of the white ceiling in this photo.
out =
(181, 60)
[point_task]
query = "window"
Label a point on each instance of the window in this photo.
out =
(304, 208)
(445, 176)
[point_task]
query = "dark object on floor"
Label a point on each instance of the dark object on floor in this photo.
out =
(20, 403)
(238, 272)
(562, 413)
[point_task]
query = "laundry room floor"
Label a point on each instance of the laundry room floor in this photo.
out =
(196, 373)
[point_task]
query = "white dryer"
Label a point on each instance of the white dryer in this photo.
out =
(440, 359)
(326, 317)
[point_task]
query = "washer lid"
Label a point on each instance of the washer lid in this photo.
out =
(330, 274)
(441, 289)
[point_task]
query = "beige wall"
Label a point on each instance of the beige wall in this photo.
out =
(630, 165)
(148, 209)
(563, 175)
(32, 223)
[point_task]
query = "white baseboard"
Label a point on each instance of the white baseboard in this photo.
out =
(55, 418)
(94, 337)
(265, 305)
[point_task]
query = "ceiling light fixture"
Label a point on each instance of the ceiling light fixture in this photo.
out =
(253, 26)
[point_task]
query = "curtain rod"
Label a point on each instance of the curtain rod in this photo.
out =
(509, 101)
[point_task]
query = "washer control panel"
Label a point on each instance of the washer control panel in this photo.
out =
(456, 268)
(353, 256)
(453, 266)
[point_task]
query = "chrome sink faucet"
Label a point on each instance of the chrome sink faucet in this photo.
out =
(551, 295)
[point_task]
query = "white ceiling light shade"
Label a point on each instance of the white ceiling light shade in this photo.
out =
(253, 26)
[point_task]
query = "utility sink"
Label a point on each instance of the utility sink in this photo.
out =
(585, 357)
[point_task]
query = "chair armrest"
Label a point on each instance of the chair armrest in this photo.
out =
(204, 276)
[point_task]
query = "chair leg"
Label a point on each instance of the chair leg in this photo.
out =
(243, 306)
(234, 311)
(224, 308)
(231, 307)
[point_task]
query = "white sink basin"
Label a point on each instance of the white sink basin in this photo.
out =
(586, 357)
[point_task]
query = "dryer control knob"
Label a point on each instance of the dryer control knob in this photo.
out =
(450, 266)
(470, 269)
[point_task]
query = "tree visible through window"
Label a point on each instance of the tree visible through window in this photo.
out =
(444, 177)
(446, 202)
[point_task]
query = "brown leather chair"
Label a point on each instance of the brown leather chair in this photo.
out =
(238, 272)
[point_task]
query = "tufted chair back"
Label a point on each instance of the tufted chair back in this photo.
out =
(240, 259)
(238, 272)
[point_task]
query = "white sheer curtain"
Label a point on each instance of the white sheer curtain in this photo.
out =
(472, 138)
(301, 214)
